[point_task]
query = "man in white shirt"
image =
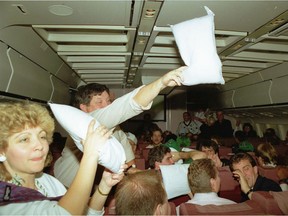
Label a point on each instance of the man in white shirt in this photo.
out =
(95, 99)
(204, 182)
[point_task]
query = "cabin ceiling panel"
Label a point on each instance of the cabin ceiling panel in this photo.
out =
(101, 38)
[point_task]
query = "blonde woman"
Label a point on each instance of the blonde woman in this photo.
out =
(25, 134)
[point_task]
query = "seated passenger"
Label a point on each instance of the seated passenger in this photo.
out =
(189, 127)
(160, 155)
(247, 129)
(26, 132)
(266, 155)
(244, 169)
(207, 128)
(271, 137)
(142, 193)
(242, 144)
(204, 182)
(156, 138)
(222, 126)
(211, 149)
(145, 128)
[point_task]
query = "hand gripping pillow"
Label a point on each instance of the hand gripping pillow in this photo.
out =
(175, 179)
(196, 43)
(76, 123)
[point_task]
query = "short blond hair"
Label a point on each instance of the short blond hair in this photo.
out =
(140, 193)
(199, 174)
(15, 117)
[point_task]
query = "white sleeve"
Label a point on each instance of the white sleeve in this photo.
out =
(45, 207)
(94, 212)
(120, 110)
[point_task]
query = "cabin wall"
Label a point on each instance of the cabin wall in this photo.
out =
(266, 88)
(32, 69)
(262, 88)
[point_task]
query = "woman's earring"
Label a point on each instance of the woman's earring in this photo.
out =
(2, 158)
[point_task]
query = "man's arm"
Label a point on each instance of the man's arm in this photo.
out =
(194, 155)
(146, 94)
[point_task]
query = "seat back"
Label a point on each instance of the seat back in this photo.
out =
(229, 188)
(249, 207)
(273, 203)
(270, 173)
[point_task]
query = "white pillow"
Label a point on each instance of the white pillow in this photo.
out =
(175, 179)
(196, 43)
(76, 123)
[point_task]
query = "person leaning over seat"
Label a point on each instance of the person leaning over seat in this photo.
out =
(95, 99)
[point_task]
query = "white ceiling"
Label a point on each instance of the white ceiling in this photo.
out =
(124, 43)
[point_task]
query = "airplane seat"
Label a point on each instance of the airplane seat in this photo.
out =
(173, 208)
(273, 203)
(145, 153)
(229, 188)
(110, 207)
(224, 152)
(255, 141)
(140, 163)
(249, 207)
(268, 172)
(227, 142)
(179, 200)
(282, 149)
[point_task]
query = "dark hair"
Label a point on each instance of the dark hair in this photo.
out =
(240, 135)
(85, 93)
(157, 154)
(239, 157)
(170, 137)
(207, 143)
(247, 124)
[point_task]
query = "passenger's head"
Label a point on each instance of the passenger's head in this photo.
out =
(210, 147)
(271, 137)
(156, 136)
(203, 176)
(186, 116)
(266, 154)
(240, 136)
(91, 97)
(220, 115)
(247, 127)
(246, 164)
(210, 121)
(25, 134)
(159, 155)
(141, 193)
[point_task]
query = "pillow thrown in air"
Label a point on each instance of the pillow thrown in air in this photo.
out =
(76, 123)
(196, 43)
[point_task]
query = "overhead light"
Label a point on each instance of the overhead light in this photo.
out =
(150, 13)
(60, 10)
(278, 31)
